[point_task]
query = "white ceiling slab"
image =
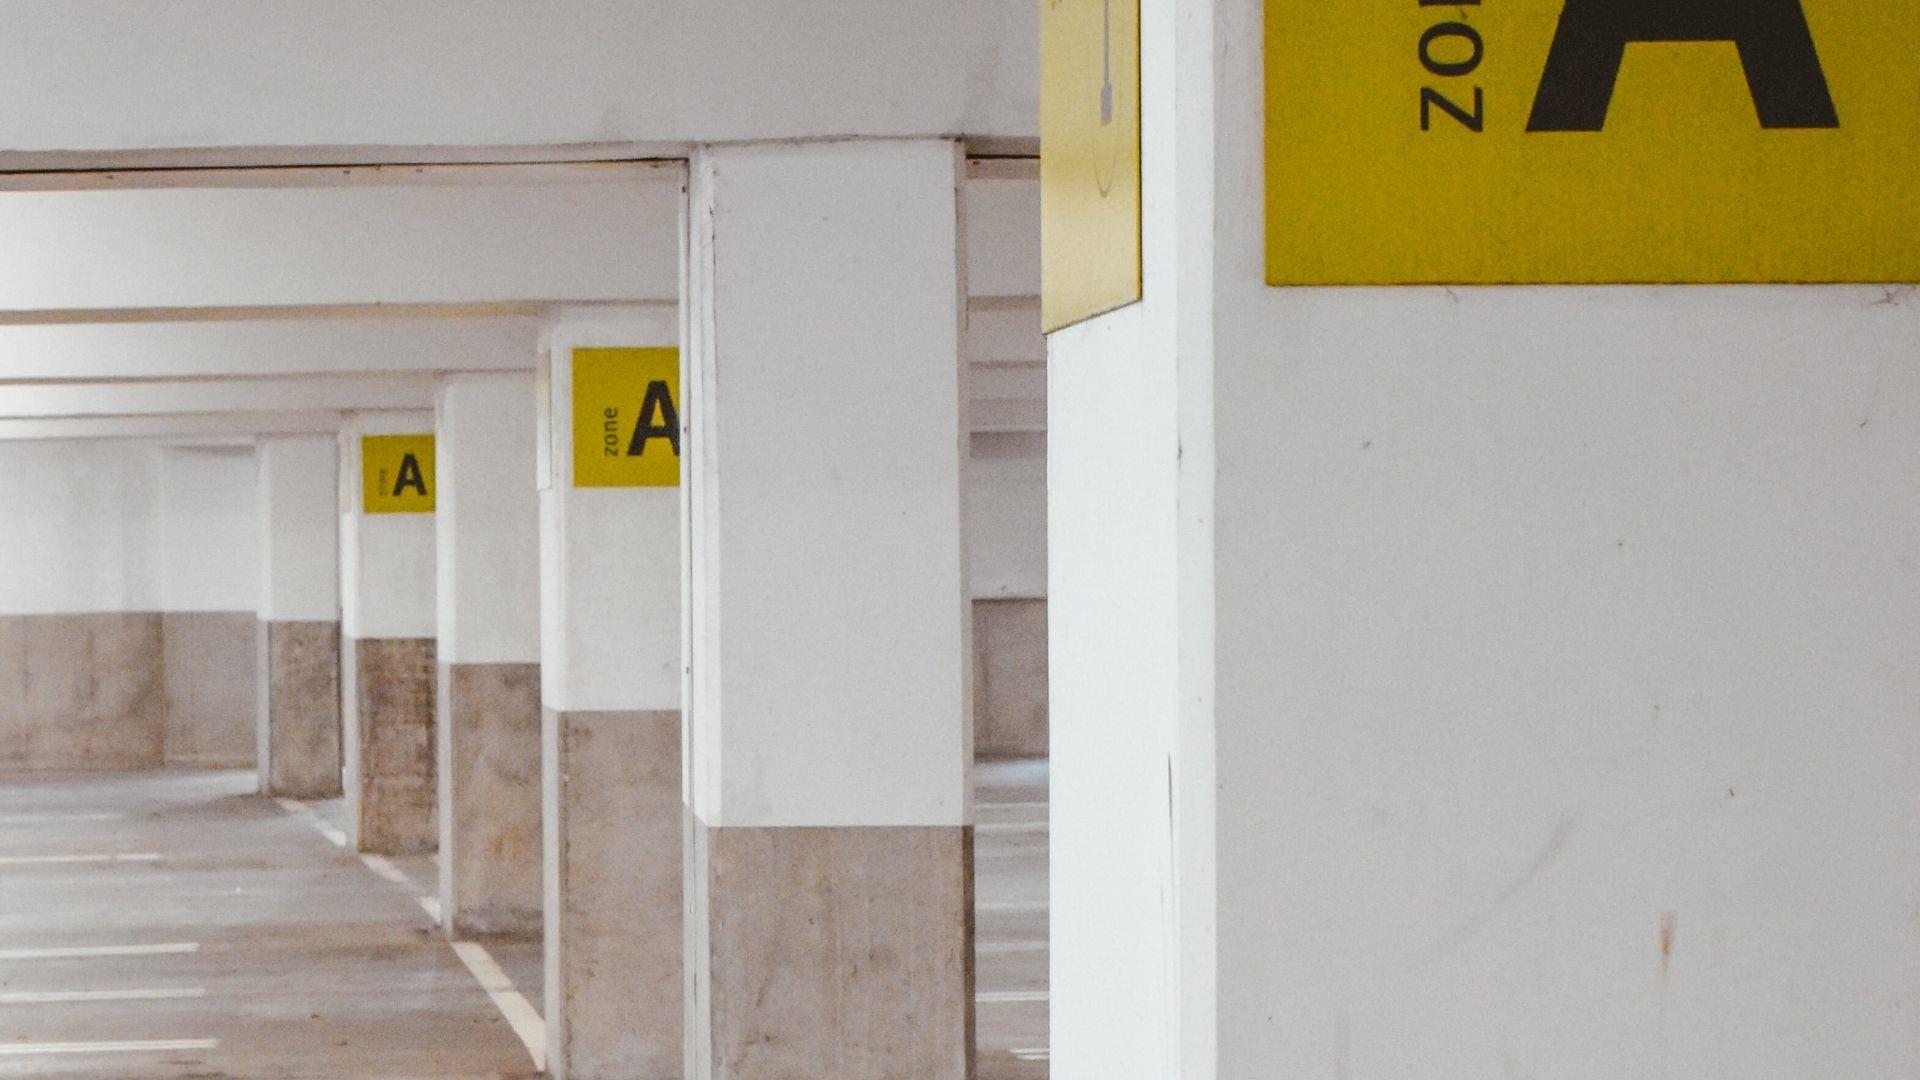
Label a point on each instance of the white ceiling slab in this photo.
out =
(226, 78)
(146, 350)
(195, 427)
(397, 390)
(459, 236)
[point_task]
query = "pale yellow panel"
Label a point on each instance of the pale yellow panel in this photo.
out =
(1089, 158)
(1680, 184)
(626, 417)
(396, 474)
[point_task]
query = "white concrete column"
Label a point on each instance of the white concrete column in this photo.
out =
(487, 703)
(610, 646)
(1472, 681)
(388, 623)
(829, 843)
(299, 640)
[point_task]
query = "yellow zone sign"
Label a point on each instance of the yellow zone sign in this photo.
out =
(626, 417)
(1592, 141)
(396, 474)
(1089, 158)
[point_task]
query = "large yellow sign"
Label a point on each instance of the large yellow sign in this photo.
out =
(1089, 158)
(1592, 141)
(396, 474)
(626, 417)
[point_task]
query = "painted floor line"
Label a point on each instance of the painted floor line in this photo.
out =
(1009, 997)
(61, 997)
(134, 1046)
(49, 860)
(520, 1014)
(430, 905)
(1038, 1053)
(384, 868)
(325, 828)
(73, 952)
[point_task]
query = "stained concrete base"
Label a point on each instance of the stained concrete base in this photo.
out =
(298, 715)
(212, 674)
(81, 692)
(842, 952)
(489, 772)
(1010, 678)
(390, 774)
(613, 895)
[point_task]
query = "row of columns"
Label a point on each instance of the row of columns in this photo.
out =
(778, 881)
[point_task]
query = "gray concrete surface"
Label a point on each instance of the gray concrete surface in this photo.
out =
(81, 691)
(613, 907)
(489, 774)
(211, 675)
(297, 723)
(1010, 918)
(392, 763)
(303, 962)
(1010, 678)
(312, 966)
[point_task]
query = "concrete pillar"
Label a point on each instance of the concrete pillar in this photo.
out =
(829, 867)
(488, 701)
(610, 644)
(388, 624)
(298, 726)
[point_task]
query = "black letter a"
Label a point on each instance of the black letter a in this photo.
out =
(410, 476)
(658, 403)
(1776, 49)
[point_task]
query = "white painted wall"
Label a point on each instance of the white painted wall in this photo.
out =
(487, 520)
(387, 569)
(209, 535)
(826, 689)
(554, 235)
(299, 492)
(81, 532)
(609, 557)
(85, 75)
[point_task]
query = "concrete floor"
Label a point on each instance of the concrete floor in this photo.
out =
(173, 924)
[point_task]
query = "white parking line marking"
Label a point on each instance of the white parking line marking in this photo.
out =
(48, 860)
(302, 810)
(79, 951)
(60, 997)
(430, 905)
(384, 868)
(1039, 1053)
(139, 1046)
(525, 1022)
(1009, 997)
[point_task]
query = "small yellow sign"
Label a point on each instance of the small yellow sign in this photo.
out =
(626, 417)
(396, 474)
(1089, 158)
(1592, 141)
